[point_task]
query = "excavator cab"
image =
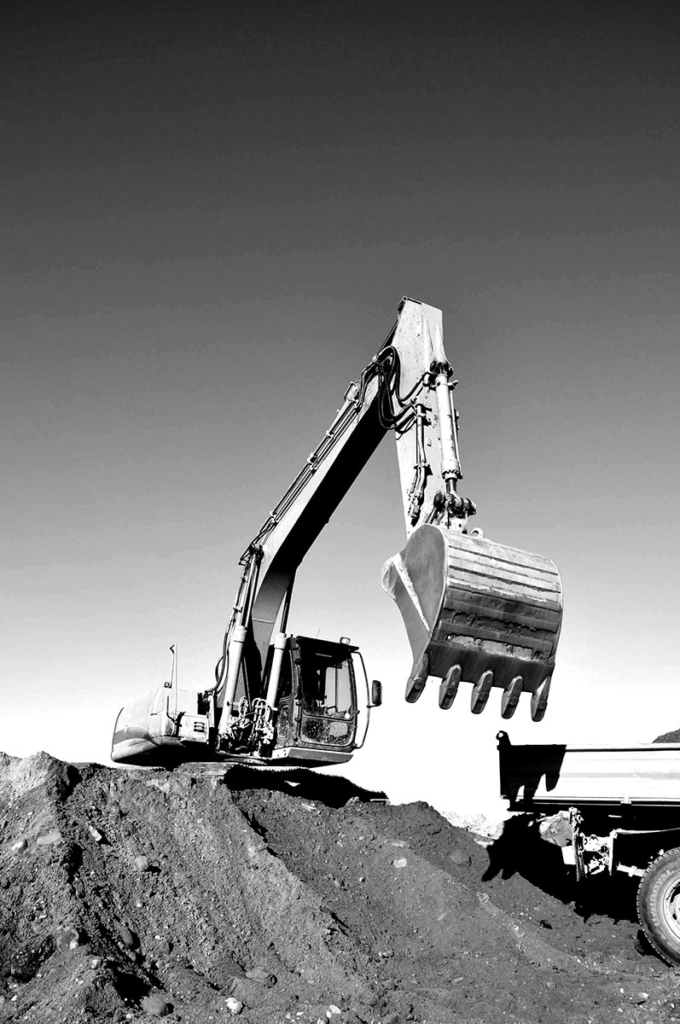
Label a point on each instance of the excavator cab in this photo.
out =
(318, 705)
(306, 710)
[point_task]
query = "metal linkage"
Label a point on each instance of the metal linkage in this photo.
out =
(416, 492)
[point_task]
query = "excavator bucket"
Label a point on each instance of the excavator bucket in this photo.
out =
(477, 612)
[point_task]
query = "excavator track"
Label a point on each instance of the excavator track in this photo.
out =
(479, 612)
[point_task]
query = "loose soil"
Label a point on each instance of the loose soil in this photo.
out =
(130, 895)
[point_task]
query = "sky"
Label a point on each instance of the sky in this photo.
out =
(210, 215)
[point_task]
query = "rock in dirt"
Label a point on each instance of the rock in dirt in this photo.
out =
(127, 936)
(50, 838)
(261, 975)
(460, 857)
(67, 937)
(245, 991)
(26, 960)
(156, 1006)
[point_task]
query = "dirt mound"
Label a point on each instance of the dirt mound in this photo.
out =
(130, 895)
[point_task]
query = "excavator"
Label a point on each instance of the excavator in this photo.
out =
(475, 611)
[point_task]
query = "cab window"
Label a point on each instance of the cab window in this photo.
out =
(326, 683)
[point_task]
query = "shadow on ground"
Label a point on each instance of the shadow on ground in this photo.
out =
(521, 850)
(303, 783)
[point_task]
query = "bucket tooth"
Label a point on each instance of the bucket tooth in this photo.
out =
(449, 687)
(539, 700)
(417, 679)
(510, 698)
(480, 693)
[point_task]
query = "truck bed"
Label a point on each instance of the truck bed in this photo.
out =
(553, 776)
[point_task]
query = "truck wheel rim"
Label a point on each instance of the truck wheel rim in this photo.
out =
(671, 908)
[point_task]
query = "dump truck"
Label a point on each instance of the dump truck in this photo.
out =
(611, 809)
(475, 611)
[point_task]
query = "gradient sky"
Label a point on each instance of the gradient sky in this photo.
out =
(211, 212)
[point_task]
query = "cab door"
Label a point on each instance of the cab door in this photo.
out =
(288, 718)
(327, 694)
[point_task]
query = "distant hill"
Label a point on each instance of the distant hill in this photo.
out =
(669, 737)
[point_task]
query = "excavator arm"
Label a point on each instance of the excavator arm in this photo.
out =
(474, 611)
(394, 393)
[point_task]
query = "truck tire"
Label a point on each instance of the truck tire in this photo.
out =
(658, 905)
